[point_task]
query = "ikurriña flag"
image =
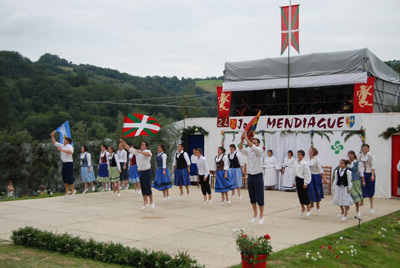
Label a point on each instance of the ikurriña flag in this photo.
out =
(65, 132)
(140, 125)
(290, 27)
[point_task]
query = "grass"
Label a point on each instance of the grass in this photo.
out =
(209, 85)
(31, 197)
(375, 247)
(18, 256)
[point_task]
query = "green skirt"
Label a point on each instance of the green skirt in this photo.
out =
(356, 192)
(103, 179)
(113, 174)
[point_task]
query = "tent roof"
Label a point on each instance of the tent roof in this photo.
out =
(315, 64)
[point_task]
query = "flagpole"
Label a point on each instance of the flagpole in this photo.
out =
(288, 59)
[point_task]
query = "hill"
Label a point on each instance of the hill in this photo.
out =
(39, 96)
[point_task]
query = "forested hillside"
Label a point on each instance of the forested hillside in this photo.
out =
(39, 96)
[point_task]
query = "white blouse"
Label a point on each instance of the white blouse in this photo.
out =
(302, 170)
(102, 155)
(88, 158)
(288, 163)
(110, 156)
(359, 169)
(315, 165)
(231, 156)
(193, 159)
(185, 155)
(164, 159)
(341, 172)
(202, 166)
(122, 155)
(370, 162)
(224, 158)
(271, 162)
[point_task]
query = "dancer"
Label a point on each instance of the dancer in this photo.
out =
(287, 170)
(368, 163)
(87, 172)
(10, 189)
(103, 168)
(133, 172)
(315, 188)
(357, 175)
(67, 170)
(204, 176)
(302, 176)
(235, 171)
(223, 183)
(143, 157)
(181, 169)
(162, 181)
(271, 166)
(194, 176)
(123, 157)
(114, 169)
(343, 185)
(254, 155)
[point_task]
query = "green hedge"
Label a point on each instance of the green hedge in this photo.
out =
(106, 252)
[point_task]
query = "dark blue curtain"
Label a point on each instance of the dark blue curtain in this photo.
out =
(195, 141)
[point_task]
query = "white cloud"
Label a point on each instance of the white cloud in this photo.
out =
(189, 38)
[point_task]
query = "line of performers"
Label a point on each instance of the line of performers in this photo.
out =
(354, 180)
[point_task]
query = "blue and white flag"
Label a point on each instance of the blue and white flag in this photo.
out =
(65, 132)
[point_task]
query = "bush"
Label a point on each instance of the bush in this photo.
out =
(105, 252)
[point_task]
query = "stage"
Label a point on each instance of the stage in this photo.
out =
(205, 232)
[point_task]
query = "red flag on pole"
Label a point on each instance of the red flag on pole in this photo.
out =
(224, 102)
(290, 27)
(363, 101)
(252, 126)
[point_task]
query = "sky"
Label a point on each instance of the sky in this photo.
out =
(187, 38)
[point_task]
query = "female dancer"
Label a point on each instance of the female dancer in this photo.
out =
(194, 176)
(302, 176)
(87, 173)
(223, 183)
(235, 171)
(287, 170)
(357, 175)
(123, 158)
(114, 169)
(368, 163)
(162, 181)
(204, 176)
(343, 186)
(271, 166)
(181, 168)
(133, 172)
(315, 189)
(103, 169)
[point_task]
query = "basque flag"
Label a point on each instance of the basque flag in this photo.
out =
(252, 126)
(290, 27)
(140, 125)
(65, 132)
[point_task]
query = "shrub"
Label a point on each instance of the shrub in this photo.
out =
(108, 252)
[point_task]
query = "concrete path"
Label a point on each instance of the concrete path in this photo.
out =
(205, 232)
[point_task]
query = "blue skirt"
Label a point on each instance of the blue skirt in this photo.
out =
(223, 185)
(86, 175)
(314, 189)
(161, 181)
(103, 170)
(181, 177)
(133, 174)
(369, 189)
(193, 170)
(235, 174)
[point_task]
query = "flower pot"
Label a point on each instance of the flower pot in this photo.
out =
(260, 262)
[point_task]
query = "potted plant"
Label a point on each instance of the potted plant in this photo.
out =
(254, 250)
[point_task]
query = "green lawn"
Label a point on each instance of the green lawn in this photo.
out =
(18, 256)
(375, 244)
(31, 197)
(209, 85)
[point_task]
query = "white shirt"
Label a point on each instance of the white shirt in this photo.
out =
(164, 159)
(271, 162)
(254, 159)
(315, 165)
(202, 166)
(224, 158)
(102, 155)
(231, 156)
(143, 162)
(110, 156)
(302, 170)
(359, 169)
(65, 158)
(341, 172)
(193, 159)
(369, 159)
(288, 163)
(122, 154)
(185, 155)
(88, 158)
